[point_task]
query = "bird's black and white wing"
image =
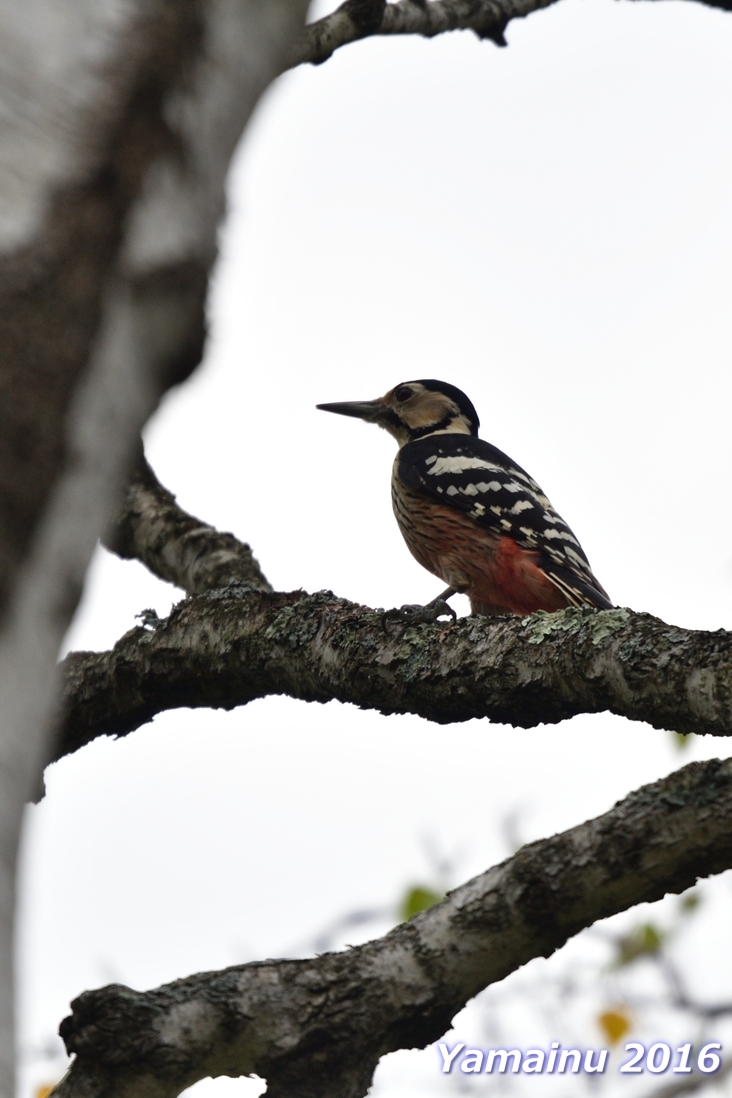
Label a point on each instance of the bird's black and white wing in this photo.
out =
(470, 475)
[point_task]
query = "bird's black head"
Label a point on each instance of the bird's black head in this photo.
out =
(415, 409)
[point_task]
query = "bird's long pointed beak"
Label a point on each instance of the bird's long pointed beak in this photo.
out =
(369, 410)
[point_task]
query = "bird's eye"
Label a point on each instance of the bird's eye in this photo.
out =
(403, 393)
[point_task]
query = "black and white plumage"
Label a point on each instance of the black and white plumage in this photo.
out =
(470, 514)
(479, 480)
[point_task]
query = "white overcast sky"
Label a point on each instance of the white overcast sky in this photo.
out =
(547, 226)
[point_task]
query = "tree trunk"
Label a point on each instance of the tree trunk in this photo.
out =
(120, 121)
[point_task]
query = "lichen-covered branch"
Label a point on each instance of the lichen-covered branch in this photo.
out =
(316, 1028)
(149, 526)
(232, 645)
(358, 19)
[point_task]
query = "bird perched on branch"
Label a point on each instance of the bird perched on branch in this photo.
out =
(471, 515)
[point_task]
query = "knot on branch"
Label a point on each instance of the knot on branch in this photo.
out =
(492, 25)
(495, 33)
(114, 1023)
(366, 15)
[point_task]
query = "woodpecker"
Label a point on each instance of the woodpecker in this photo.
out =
(471, 515)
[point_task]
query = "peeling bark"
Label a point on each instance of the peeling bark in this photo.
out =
(317, 1028)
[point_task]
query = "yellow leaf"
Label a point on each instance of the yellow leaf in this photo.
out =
(614, 1024)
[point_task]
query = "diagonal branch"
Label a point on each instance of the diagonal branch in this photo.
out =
(149, 526)
(353, 21)
(233, 645)
(358, 19)
(318, 1027)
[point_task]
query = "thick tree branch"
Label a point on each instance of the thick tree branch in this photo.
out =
(358, 19)
(232, 645)
(149, 526)
(318, 1027)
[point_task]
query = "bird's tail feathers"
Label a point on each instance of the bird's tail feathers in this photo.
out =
(577, 591)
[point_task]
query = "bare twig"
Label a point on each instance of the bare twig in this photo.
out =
(486, 18)
(680, 997)
(357, 19)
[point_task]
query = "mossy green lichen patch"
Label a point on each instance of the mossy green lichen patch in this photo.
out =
(606, 622)
(292, 627)
(601, 623)
(542, 624)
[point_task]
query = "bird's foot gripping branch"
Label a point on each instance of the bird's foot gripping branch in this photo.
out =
(234, 639)
(232, 645)
(318, 1027)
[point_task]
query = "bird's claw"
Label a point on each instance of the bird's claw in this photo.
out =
(414, 614)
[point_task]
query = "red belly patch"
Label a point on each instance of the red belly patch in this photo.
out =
(514, 579)
(497, 574)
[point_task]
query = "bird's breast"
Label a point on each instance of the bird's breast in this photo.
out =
(444, 541)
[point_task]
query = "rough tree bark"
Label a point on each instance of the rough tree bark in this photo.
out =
(316, 1028)
(119, 120)
(234, 640)
(150, 526)
(232, 645)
